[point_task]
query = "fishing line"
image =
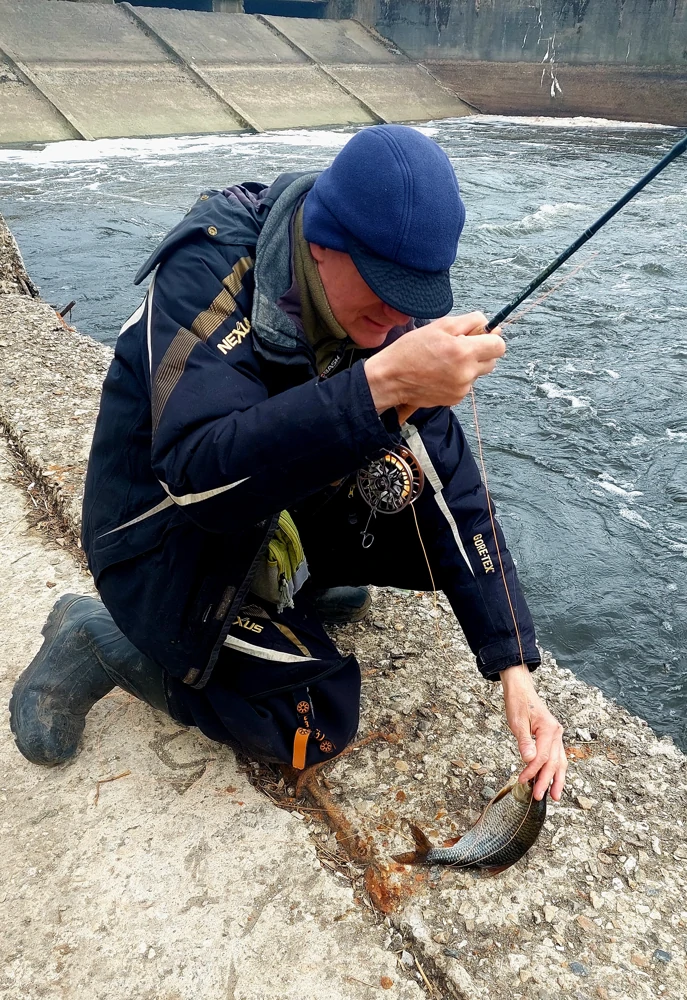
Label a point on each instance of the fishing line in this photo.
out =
(493, 527)
(431, 577)
(677, 150)
(542, 298)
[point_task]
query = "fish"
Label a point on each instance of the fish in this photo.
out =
(504, 833)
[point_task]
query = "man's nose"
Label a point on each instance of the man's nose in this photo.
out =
(394, 316)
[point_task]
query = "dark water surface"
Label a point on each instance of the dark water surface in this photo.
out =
(585, 423)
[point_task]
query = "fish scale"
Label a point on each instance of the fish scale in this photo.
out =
(509, 825)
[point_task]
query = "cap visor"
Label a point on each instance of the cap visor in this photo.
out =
(421, 294)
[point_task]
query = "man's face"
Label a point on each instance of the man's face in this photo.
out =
(365, 318)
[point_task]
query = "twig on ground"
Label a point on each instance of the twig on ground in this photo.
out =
(104, 781)
(424, 977)
(352, 979)
(302, 781)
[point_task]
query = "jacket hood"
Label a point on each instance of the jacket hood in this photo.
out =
(273, 273)
(237, 216)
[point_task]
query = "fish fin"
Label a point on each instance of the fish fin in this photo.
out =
(501, 794)
(422, 848)
(452, 841)
(496, 870)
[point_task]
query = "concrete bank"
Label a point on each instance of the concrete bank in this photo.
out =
(92, 70)
(149, 892)
(150, 867)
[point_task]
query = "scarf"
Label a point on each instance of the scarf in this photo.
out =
(325, 335)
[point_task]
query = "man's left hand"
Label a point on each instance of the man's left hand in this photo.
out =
(538, 732)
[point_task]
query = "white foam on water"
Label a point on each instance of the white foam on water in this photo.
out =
(676, 435)
(634, 517)
(606, 483)
(552, 391)
(545, 217)
(550, 122)
(78, 151)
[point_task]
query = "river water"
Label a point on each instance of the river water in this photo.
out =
(585, 421)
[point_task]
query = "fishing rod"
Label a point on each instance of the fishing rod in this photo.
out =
(678, 149)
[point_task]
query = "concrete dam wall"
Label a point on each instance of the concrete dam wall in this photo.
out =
(90, 70)
(623, 59)
(93, 70)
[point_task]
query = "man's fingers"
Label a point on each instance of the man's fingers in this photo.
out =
(549, 765)
(558, 782)
(485, 367)
(544, 779)
(545, 758)
(526, 744)
(486, 346)
(466, 325)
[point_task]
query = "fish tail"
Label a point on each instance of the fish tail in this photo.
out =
(422, 848)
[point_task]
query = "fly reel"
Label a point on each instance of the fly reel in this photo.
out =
(389, 485)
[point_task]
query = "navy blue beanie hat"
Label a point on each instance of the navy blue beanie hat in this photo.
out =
(391, 200)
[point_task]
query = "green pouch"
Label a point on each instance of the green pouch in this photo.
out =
(285, 570)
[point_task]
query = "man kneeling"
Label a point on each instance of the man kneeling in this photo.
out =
(275, 355)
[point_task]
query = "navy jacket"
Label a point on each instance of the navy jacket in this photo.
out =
(213, 420)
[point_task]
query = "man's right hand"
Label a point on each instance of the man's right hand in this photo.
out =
(433, 366)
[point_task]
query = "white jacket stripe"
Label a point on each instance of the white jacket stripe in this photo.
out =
(149, 300)
(417, 446)
(265, 654)
(167, 502)
(189, 498)
(134, 318)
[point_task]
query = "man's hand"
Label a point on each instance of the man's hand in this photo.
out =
(530, 720)
(433, 366)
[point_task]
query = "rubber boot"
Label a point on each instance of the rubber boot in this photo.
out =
(83, 657)
(342, 605)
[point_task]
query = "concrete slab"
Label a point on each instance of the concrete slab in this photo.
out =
(288, 96)
(129, 100)
(404, 93)
(149, 867)
(250, 64)
(336, 43)
(221, 39)
(26, 116)
(597, 908)
(172, 878)
(372, 69)
(50, 381)
(75, 33)
(114, 72)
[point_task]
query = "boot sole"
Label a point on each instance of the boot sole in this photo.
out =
(51, 626)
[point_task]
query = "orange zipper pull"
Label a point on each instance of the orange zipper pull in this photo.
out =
(300, 746)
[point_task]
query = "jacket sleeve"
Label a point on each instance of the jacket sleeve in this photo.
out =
(453, 517)
(222, 448)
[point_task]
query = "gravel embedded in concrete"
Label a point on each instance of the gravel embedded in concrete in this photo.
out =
(602, 890)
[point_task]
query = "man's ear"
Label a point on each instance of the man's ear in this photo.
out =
(318, 252)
